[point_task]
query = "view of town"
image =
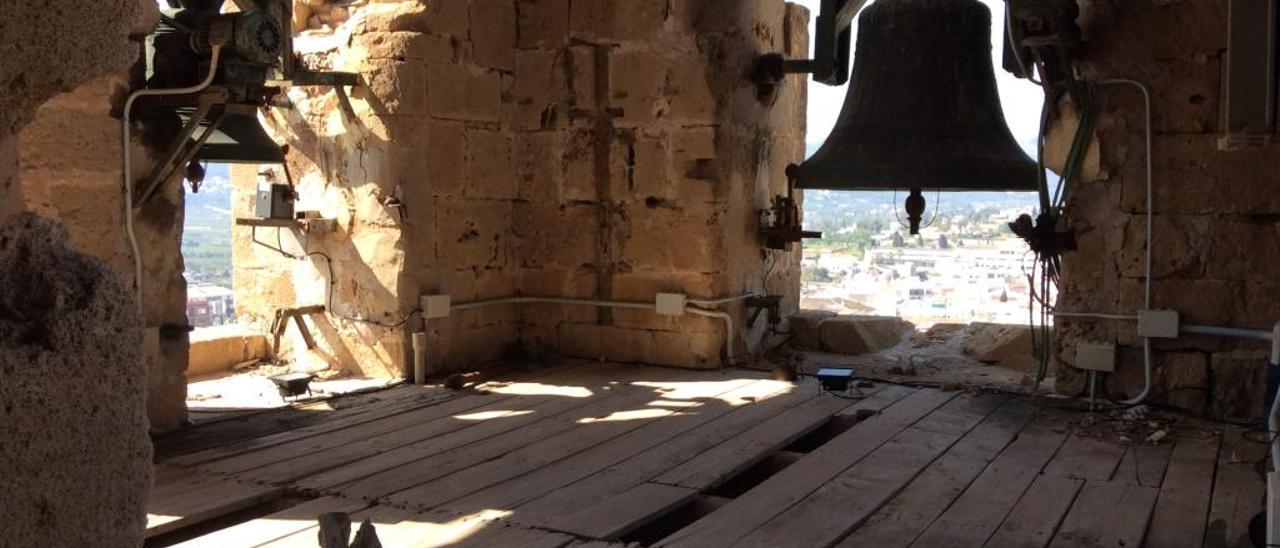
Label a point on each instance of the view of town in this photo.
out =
(206, 250)
(966, 266)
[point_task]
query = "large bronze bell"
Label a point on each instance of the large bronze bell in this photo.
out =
(922, 111)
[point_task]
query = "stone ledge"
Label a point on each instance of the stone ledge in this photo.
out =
(218, 349)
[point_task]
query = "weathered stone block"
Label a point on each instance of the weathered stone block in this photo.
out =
(436, 16)
(615, 21)
(445, 155)
(583, 85)
(402, 46)
(491, 170)
(493, 33)
(540, 166)
(394, 87)
(550, 234)
(1007, 346)
(543, 24)
(683, 349)
(580, 166)
(806, 327)
(461, 93)
(538, 98)
(218, 349)
(1239, 380)
(671, 237)
(636, 85)
(473, 232)
(862, 334)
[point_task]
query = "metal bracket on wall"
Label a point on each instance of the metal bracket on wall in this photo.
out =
(833, 36)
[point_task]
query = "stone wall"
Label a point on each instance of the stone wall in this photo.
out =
(71, 167)
(1215, 212)
(587, 149)
(72, 377)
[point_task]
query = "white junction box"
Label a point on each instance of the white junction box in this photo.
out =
(1096, 356)
(1158, 324)
(436, 306)
(670, 304)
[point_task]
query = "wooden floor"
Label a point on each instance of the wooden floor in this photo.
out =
(603, 455)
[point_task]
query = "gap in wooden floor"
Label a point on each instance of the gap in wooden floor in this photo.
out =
(675, 520)
(197, 530)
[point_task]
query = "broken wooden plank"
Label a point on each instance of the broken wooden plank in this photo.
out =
(642, 467)
(842, 504)
(739, 453)
(274, 526)
(779, 492)
(1238, 490)
(974, 516)
(188, 497)
(902, 519)
(624, 513)
(1107, 514)
(1037, 515)
(1182, 509)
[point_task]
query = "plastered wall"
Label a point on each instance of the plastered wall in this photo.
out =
(584, 149)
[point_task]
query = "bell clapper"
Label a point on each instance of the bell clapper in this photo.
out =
(915, 207)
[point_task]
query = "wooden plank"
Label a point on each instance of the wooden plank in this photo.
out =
(442, 433)
(336, 438)
(334, 420)
(1182, 509)
(741, 452)
(841, 505)
(974, 516)
(628, 416)
(422, 471)
(524, 488)
(372, 464)
(1037, 515)
(902, 519)
(779, 492)
(257, 424)
(188, 497)
(1107, 514)
(499, 535)
(391, 527)
(563, 402)
(638, 469)
(1238, 491)
(1086, 458)
(274, 526)
(1143, 465)
(624, 513)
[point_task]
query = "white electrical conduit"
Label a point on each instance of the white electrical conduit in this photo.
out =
(1146, 343)
(728, 319)
(126, 150)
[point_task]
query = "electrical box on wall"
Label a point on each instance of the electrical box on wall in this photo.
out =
(670, 304)
(1096, 356)
(1158, 324)
(436, 306)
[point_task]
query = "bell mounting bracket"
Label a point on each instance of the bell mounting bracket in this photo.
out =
(831, 53)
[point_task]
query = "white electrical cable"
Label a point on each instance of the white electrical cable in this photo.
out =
(126, 150)
(1146, 342)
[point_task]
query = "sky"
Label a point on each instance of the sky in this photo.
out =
(1021, 99)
